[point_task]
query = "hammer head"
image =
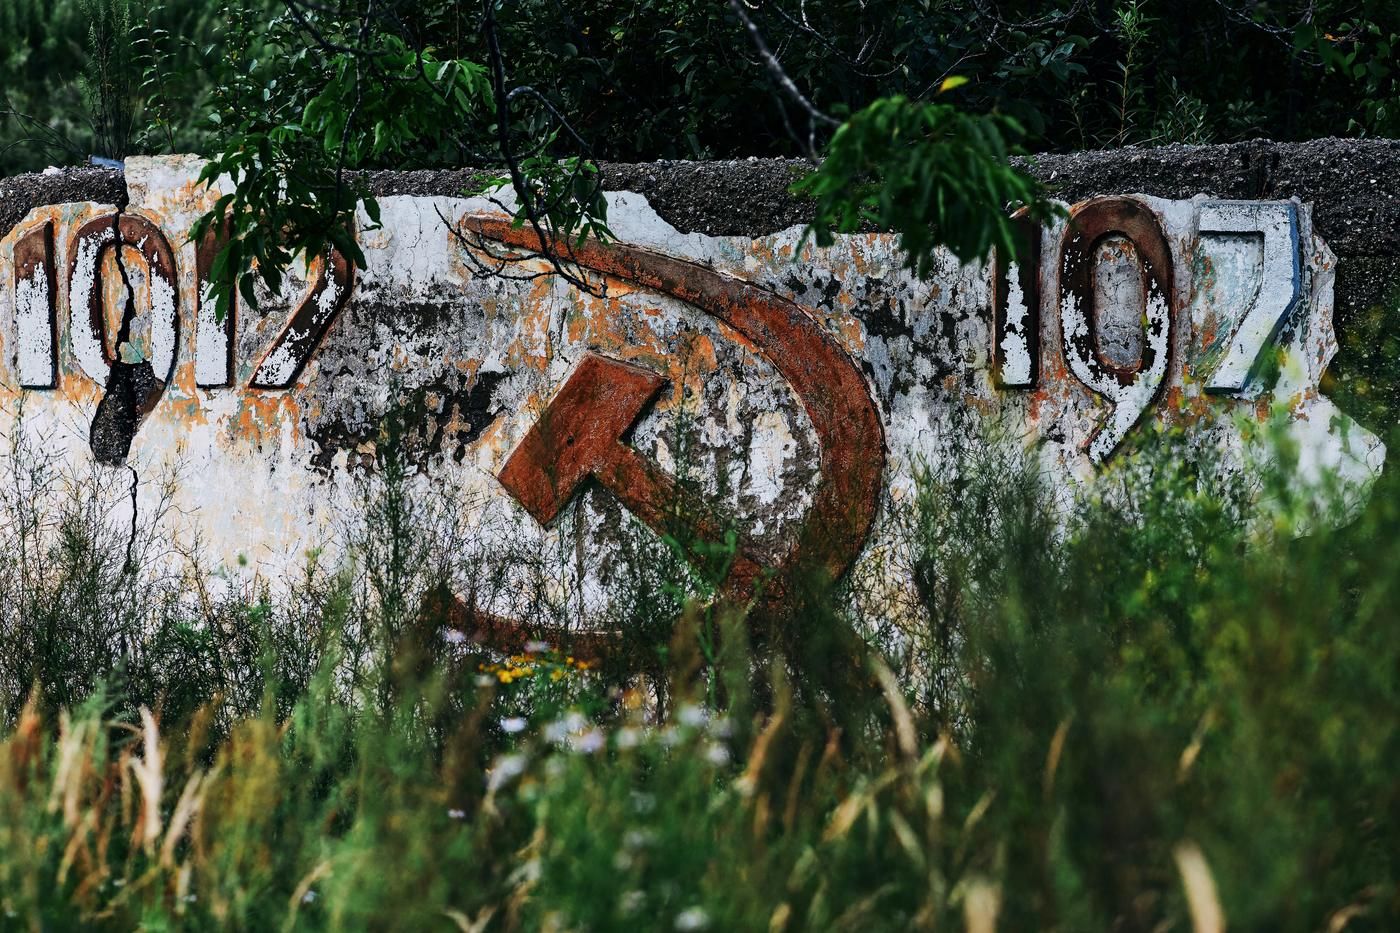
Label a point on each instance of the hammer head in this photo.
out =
(579, 434)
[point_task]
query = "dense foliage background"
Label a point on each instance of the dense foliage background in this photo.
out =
(657, 79)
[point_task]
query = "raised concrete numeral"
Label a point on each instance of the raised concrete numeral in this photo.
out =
(1115, 251)
(93, 346)
(283, 363)
(213, 339)
(1016, 310)
(36, 317)
(1278, 288)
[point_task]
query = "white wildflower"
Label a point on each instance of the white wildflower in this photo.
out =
(692, 715)
(717, 754)
(513, 724)
(507, 768)
(589, 742)
(570, 724)
(692, 918)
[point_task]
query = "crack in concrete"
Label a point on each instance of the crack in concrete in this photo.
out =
(127, 566)
(133, 388)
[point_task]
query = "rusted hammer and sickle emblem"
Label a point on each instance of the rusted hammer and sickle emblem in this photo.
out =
(580, 434)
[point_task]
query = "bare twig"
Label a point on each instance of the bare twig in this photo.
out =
(528, 205)
(775, 69)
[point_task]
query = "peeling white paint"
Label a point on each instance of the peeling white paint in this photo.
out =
(279, 365)
(211, 355)
(86, 342)
(1015, 344)
(165, 324)
(35, 350)
(1126, 403)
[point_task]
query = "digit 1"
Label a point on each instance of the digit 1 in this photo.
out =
(36, 318)
(1016, 308)
(213, 350)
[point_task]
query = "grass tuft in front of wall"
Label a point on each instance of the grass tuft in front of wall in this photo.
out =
(1148, 715)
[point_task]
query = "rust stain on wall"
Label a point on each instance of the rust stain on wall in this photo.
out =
(830, 388)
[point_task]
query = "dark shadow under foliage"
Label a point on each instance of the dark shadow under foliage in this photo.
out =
(663, 79)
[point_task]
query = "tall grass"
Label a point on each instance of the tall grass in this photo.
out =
(1141, 713)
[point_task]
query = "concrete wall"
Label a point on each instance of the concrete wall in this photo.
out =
(712, 368)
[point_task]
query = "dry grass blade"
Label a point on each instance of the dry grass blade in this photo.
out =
(1342, 918)
(850, 809)
(795, 784)
(150, 778)
(981, 905)
(905, 733)
(1052, 757)
(748, 781)
(25, 741)
(908, 839)
(845, 816)
(1207, 916)
(74, 849)
(298, 897)
(467, 924)
(191, 799)
(979, 810)
(1193, 750)
(73, 747)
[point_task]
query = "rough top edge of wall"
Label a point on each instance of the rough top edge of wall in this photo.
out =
(1353, 185)
(19, 194)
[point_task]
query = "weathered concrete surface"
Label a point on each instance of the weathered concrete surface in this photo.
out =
(1353, 186)
(788, 390)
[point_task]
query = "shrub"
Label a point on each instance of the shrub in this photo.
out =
(1144, 711)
